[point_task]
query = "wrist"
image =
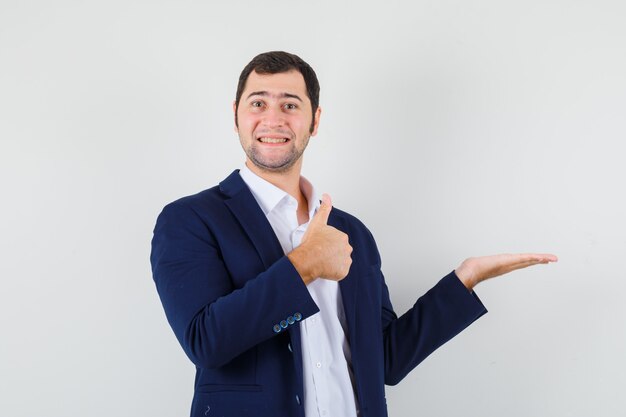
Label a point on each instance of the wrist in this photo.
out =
(466, 275)
(300, 261)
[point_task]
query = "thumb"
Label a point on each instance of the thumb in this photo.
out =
(321, 217)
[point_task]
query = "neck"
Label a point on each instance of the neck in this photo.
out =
(288, 181)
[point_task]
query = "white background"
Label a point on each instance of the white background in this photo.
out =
(451, 128)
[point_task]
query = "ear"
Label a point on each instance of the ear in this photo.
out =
(235, 116)
(316, 121)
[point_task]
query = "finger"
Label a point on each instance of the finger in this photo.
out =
(540, 257)
(524, 264)
(526, 257)
(327, 200)
(321, 217)
(530, 260)
(550, 257)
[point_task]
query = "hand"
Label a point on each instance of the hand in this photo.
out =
(474, 270)
(324, 251)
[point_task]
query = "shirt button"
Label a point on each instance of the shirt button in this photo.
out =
(319, 364)
(297, 316)
(276, 328)
(298, 400)
(283, 324)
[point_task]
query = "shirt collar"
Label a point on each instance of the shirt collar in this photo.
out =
(269, 196)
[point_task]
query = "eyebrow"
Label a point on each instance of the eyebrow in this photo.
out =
(281, 95)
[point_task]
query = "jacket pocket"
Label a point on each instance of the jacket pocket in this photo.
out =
(230, 401)
(229, 387)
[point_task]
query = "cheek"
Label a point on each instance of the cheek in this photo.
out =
(304, 128)
(247, 122)
(298, 124)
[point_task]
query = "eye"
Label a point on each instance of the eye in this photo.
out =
(290, 106)
(256, 104)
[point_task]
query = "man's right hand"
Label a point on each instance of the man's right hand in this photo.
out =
(324, 251)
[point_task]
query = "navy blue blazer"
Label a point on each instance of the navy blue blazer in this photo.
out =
(234, 301)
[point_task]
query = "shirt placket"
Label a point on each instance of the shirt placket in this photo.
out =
(316, 359)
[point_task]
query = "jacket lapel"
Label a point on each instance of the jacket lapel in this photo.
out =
(252, 219)
(349, 284)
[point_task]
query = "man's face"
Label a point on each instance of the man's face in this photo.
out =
(274, 118)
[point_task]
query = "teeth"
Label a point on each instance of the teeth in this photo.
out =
(273, 140)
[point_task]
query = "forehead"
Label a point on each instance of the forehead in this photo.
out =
(291, 82)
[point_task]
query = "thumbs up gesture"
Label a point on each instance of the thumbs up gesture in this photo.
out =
(324, 251)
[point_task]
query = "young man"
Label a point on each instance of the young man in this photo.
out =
(278, 298)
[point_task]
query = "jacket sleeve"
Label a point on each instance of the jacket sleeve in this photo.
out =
(437, 316)
(214, 321)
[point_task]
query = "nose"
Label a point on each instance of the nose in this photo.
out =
(273, 117)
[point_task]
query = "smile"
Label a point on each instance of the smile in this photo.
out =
(273, 140)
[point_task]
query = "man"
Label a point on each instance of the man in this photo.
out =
(278, 298)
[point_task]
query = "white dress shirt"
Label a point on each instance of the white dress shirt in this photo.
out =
(326, 358)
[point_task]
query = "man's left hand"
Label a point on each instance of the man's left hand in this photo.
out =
(474, 270)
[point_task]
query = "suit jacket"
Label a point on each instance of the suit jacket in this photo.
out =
(234, 301)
